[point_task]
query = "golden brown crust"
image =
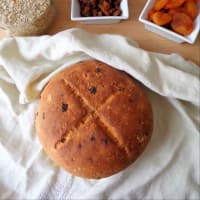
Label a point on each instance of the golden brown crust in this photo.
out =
(93, 120)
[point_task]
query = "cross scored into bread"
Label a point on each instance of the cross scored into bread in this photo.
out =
(93, 120)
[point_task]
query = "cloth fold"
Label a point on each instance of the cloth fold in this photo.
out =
(169, 167)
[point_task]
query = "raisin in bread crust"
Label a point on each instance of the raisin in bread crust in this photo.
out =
(93, 120)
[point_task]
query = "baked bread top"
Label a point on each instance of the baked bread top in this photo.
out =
(93, 120)
(26, 17)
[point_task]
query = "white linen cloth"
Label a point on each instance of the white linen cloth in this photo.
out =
(169, 167)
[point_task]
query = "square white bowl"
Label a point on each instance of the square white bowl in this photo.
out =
(171, 35)
(76, 16)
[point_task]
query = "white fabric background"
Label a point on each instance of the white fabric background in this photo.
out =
(169, 167)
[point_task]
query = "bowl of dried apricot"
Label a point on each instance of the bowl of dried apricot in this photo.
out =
(177, 20)
(99, 11)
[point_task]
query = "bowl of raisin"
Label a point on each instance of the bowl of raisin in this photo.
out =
(99, 11)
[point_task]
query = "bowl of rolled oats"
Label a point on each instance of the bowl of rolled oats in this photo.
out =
(26, 17)
(99, 11)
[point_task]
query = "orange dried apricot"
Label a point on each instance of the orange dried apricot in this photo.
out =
(161, 18)
(182, 23)
(174, 4)
(159, 4)
(150, 14)
(175, 10)
(191, 9)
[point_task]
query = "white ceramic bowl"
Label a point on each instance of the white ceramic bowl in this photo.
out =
(166, 32)
(75, 14)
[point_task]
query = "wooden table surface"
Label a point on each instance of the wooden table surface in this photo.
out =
(131, 28)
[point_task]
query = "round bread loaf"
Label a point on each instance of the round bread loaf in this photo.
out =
(93, 120)
(26, 17)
